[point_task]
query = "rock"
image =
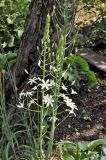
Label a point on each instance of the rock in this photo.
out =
(93, 58)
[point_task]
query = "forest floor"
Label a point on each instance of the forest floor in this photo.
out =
(90, 120)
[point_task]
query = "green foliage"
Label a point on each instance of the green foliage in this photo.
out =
(95, 28)
(9, 58)
(91, 78)
(76, 69)
(12, 13)
(82, 150)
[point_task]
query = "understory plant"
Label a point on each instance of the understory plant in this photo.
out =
(45, 93)
(12, 14)
(82, 150)
(76, 68)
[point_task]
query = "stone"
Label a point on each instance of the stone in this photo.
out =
(93, 58)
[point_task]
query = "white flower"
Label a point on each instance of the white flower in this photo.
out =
(53, 118)
(25, 94)
(32, 80)
(46, 84)
(51, 83)
(20, 105)
(70, 104)
(64, 87)
(62, 95)
(39, 63)
(34, 88)
(48, 100)
(26, 71)
(38, 48)
(53, 68)
(31, 102)
(68, 101)
(73, 92)
(70, 111)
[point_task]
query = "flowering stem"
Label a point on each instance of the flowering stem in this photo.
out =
(56, 92)
(60, 54)
(45, 43)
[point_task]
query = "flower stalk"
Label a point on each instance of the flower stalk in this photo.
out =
(45, 43)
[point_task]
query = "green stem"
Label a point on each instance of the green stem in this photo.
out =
(61, 52)
(45, 43)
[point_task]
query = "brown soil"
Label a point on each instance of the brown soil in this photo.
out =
(90, 120)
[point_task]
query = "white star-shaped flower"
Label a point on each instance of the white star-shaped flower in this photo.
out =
(64, 87)
(46, 84)
(48, 100)
(73, 92)
(20, 105)
(52, 83)
(32, 80)
(53, 118)
(34, 88)
(25, 94)
(70, 104)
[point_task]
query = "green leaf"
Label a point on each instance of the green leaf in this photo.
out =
(78, 61)
(20, 32)
(91, 154)
(4, 44)
(7, 58)
(11, 43)
(82, 145)
(94, 144)
(68, 145)
(68, 157)
(91, 79)
(9, 20)
(10, 56)
(69, 148)
(3, 61)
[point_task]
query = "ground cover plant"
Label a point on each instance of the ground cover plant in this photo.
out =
(81, 150)
(28, 133)
(12, 16)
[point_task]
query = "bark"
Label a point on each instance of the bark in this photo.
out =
(34, 28)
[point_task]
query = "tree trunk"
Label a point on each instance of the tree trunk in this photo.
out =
(34, 28)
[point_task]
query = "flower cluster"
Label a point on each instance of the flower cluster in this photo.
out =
(71, 105)
(48, 99)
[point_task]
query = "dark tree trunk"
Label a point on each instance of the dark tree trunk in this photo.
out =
(34, 28)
